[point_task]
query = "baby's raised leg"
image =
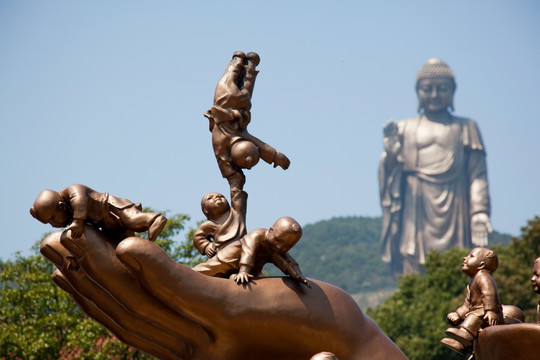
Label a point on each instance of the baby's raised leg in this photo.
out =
(229, 93)
(136, 220)
(253, 60)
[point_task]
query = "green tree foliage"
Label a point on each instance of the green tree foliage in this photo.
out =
(345, 251)
(183, 252)
(415, 315)
(36, 317)
(40, 321)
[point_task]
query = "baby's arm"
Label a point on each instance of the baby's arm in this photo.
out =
(250, 247)
(77, 228)
(289, 266)
(201, 240)
(244, 276)
(281, 160)
(492, 317)
(269, 154)
(490, 299)
(78, 201)
(453, 318)
(457, 316)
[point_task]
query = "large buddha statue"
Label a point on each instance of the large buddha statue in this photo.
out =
(432, 177)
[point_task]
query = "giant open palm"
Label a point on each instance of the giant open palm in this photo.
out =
(172, 312)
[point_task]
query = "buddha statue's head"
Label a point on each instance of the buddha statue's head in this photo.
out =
(435, 87)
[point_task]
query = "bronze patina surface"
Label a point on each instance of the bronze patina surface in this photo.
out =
(168, 310)
(172, 312)
(481, 307)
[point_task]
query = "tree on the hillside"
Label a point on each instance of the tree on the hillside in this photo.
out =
(415, 316)
(40, 321)
(183, 252)
(35, 316)
(345, 252)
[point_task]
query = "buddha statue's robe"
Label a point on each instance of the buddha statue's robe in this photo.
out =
(437, 183)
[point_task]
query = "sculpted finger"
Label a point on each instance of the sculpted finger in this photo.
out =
(156, 276)
(100, 264)
(84, 290)
(127, 336)
(179, 287)
(52, 249)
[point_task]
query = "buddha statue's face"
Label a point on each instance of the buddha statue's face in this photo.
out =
(435, 95)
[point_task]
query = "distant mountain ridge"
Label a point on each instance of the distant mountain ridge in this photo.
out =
(345, 251)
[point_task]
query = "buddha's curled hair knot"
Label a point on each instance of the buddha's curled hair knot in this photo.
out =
(435, 69)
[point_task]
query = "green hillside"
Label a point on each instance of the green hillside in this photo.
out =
(345, 251)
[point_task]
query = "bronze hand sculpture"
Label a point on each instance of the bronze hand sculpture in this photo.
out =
(170, 311)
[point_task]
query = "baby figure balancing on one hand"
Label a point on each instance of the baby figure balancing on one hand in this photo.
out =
(234, 147)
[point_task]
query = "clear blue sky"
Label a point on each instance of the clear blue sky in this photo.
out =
(111, 94)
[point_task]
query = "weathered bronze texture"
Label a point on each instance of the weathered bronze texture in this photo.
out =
(234, 147)
(244, 259)
(78, 204)
(515, 341)
(170, 311)
(232, 252)
(508, 342)
(432, 177)
(225, 223)
(481, 307)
